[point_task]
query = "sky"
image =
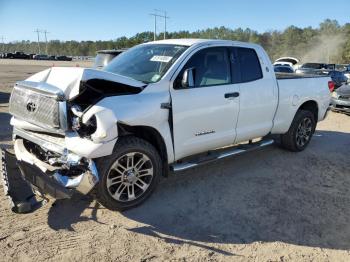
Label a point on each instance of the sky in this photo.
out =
(106, 20)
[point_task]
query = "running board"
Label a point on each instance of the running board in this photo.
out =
(214, 155)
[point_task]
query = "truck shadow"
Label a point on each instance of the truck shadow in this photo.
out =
(268, 195)
(64, 213)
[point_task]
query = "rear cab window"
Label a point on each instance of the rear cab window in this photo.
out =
(246, 65)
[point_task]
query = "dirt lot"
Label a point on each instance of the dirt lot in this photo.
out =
(269, 205)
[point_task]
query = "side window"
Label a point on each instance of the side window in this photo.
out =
(250, 67)
(211, 66)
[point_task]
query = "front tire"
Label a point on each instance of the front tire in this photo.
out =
(300, 132)
(129, 175)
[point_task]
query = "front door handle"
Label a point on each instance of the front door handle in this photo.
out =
(232, 95)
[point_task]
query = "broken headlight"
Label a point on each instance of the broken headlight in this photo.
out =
(83, 129)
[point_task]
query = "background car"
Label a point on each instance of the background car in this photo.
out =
(340, 101)
(347, 72)
(20, 55)
(31, 56)
(283, 69)
(8, 55)
(290, 61)
(41, 57)
(338, 78)
(63, 58)
(315, 68)
(103, 57)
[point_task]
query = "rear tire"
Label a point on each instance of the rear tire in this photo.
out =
(300, 132)
(128, 176)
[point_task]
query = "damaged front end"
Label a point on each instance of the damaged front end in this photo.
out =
(58, 134)
(33, 172)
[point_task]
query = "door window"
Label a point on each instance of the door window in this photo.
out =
(211, 66)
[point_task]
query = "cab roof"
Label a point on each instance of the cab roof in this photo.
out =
(195, 41)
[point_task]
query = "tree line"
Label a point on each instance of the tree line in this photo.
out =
(329, 42)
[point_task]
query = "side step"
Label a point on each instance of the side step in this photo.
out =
(221, 153)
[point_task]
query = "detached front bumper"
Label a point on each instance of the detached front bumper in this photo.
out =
(24, 175)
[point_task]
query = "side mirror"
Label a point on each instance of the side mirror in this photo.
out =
(188, 78)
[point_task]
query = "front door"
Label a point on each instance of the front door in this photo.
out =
(205, 116)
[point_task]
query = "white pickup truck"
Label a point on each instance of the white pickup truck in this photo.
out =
(160, 106)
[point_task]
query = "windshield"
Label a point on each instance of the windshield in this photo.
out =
(146, 63)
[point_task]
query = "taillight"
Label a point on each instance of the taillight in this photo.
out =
(331, 86)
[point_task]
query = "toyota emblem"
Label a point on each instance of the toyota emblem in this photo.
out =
(31, 107)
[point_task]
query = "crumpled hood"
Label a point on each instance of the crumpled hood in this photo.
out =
(68, 79)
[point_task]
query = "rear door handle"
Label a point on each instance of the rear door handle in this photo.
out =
(232, 95)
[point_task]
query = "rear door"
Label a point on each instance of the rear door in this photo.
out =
(258, 94)
(205, 116)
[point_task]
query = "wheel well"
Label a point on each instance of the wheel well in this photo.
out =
(152, 136)
(312, 107)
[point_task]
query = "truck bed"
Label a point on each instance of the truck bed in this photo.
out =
(293, 89)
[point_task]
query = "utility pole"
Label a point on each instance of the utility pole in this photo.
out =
(3, 43)
(45, 33)
(38, 31)
(164, 16)
(155, 26)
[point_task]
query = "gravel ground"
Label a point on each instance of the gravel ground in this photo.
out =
(268, 205)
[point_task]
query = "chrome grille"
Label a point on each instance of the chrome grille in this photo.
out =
(34, 107)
